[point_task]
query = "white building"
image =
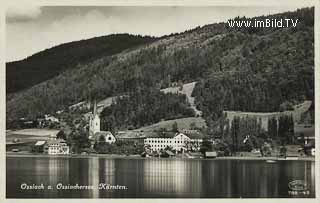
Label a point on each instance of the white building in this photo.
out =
(50, 118)
(57, 146)
(94, 122)
(105, 136)
(180, 142)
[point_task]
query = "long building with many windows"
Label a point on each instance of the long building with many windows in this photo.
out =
(180, 142)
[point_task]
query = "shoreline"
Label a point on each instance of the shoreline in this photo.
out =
(118, 156)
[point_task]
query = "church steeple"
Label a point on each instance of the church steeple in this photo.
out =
(94, 123)
(95, 108)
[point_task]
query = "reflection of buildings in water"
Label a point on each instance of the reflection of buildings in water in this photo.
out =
(273, 179)
(261, 179)
(172, 176)
(309, 175)
(58, 173)
(41, 170)
(295, 169)
(312, 177)
(217, 179)
(107, 168)
(228, 180)
(265, 171)
(93, 176)
(53, 168)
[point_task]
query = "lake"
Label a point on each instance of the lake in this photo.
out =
(155, 178)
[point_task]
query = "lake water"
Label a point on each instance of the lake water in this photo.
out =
(157, 178)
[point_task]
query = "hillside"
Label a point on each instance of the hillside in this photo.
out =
(256, 70)
(187, 90)
(49, 63)
(183, 125)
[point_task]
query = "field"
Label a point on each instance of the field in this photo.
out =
(183, 123)
(29, 135)
(150, 131)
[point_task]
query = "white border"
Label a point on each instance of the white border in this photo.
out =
(302, 3)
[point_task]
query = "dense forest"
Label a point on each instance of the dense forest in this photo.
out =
(236, 69)
(246, 134)
(46, 64)
(144, 107)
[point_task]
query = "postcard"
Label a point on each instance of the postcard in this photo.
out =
(165, 100)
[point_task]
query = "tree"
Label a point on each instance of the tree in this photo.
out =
(272, 128)
(235, 133)
(283, 151)
(61, 135)
(265, 149)
(221, 147)
(193, 126)
(286, 129)
(175, 127)
(206, 146)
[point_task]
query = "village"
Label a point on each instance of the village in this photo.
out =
(182, 143)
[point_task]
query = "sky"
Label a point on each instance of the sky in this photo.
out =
(30, 29)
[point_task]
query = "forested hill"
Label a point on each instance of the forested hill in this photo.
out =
(236, 69)
(46, 64)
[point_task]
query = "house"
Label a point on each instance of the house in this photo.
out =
(54, 147)
(169, 153)
(50, 118)
(179, 142)
(80, 106)
(104, 136)
(210, 154)
(39, 146)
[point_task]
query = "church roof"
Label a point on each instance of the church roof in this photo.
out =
(103, 133)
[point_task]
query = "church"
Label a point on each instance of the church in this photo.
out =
(95, 134)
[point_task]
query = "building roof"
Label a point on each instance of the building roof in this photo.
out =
(169, 153)
(211, 154)
(97, 135)
(103, 133)
(40, 143)
(130, 134)
(56, 141)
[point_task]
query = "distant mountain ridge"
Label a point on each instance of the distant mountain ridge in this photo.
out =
(236, 69)
(49, 63)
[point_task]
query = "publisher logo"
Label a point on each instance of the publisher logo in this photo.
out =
(298, 187)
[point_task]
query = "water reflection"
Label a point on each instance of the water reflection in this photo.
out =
(173, 177)
(160, 178)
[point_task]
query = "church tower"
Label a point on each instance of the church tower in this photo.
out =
(94, 123)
